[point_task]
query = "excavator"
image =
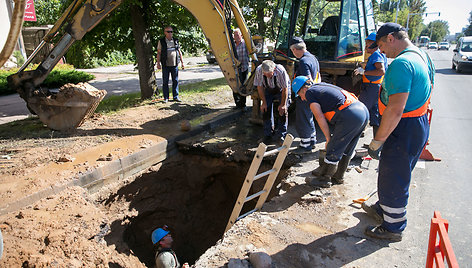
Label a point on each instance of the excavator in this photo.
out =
(334, 31)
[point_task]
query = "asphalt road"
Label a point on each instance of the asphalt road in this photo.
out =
(445, 186)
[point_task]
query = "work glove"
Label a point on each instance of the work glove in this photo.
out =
(359, 70)
(375, 147)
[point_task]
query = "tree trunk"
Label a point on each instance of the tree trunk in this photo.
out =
(260, 19)
(144, 54)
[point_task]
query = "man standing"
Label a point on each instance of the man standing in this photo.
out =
(165, 256)
(403, 130)
(273, 84)
(348, 116)
(308, 66)
(372, 78)
(243, 68)
(168, 58)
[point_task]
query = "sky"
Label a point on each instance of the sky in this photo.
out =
(455, 12)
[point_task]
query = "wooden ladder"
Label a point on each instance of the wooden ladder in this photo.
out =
(253, 176)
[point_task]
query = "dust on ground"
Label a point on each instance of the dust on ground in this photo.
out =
(69, 229)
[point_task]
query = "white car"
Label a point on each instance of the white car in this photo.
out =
(443, 45)
(462, 58)
(433, 45)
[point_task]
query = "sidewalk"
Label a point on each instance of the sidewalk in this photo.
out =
(116, 80)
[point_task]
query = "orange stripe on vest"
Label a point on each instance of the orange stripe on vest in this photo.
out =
(350, 99)
(365, 80)
(415, 113)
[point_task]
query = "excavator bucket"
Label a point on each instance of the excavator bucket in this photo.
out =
(69, 107)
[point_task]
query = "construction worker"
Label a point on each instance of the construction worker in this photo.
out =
(372, 78)
(403, 130)
(165, 256)
(273, 85)
(333, 105)
(308, 66)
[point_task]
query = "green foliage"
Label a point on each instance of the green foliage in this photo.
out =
(468, 30)
(59, 76)
(436, 30)
(118, 102)
(19, 58)
(48, 11)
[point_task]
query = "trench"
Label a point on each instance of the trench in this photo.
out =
(193, 195)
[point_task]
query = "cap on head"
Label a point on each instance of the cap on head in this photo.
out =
(158, 234)
(298, 83)
(371, 36)
(296, 40)
(386, 29)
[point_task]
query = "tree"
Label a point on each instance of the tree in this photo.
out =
(468, 30)
(436, 30)
(256, 13)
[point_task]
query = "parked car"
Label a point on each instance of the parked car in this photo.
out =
(462, 57)
(443, 45)
(210, 57)
(433, 45)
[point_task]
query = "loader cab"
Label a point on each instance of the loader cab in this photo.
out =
(333, 30)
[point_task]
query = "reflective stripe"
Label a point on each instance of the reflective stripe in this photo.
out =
(350, 99)
(330, 162)
(365, 80)
(415, 113)
(393, 210)
(318, 78)
(393, 220)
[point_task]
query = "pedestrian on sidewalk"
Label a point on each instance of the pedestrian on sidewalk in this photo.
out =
(372, 77)
(273, 85)
(307, 66)
(243, 68)
(167, 59)
(348, 116)
(165, 256)
(403, 130)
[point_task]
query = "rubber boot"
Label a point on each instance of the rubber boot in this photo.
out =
(338, 177)
(324, 179)
(318, 171)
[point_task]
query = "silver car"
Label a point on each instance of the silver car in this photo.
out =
(462, 57)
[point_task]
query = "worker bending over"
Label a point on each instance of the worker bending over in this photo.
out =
(333, 105)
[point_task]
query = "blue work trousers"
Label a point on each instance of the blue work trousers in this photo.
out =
(370, 97)
(304, 123)
(277, 126)
(348, 126)
(398, 158)
(174, 72)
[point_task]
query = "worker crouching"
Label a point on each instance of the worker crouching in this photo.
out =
(348, 116)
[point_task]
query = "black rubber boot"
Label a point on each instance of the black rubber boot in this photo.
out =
(318, 171)
(324, 179)
(338, 177)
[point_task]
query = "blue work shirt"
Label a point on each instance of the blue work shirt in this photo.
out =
(328, 96)
(377, 56)
(308, 66)
(409, 73)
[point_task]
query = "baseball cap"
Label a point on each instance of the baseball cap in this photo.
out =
(386, 29)
(371, 36)
(296, 40)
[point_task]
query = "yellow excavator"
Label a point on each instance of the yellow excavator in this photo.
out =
(334, 31)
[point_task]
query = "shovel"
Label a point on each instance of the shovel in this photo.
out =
(365, 198)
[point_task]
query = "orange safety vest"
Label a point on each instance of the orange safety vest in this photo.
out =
(415, 113)
(350, 99)
(365, 80)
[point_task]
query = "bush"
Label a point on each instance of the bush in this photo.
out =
(59, 76)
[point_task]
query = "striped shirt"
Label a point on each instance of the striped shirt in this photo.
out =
(280, 75)
(243, 56)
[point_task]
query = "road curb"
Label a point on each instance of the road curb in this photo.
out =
(124, 167)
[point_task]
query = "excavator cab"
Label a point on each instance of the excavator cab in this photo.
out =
(333, 30)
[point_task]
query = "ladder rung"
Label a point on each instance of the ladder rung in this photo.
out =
(245, 214)
(271, 152)
(265, 173)
(249, 198)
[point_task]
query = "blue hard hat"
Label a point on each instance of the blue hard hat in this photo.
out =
(371, 36)
(158, 234)
(298, 83)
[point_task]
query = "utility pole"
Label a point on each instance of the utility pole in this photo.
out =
(396, 14)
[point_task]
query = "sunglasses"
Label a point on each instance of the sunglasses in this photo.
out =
(169, 31)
